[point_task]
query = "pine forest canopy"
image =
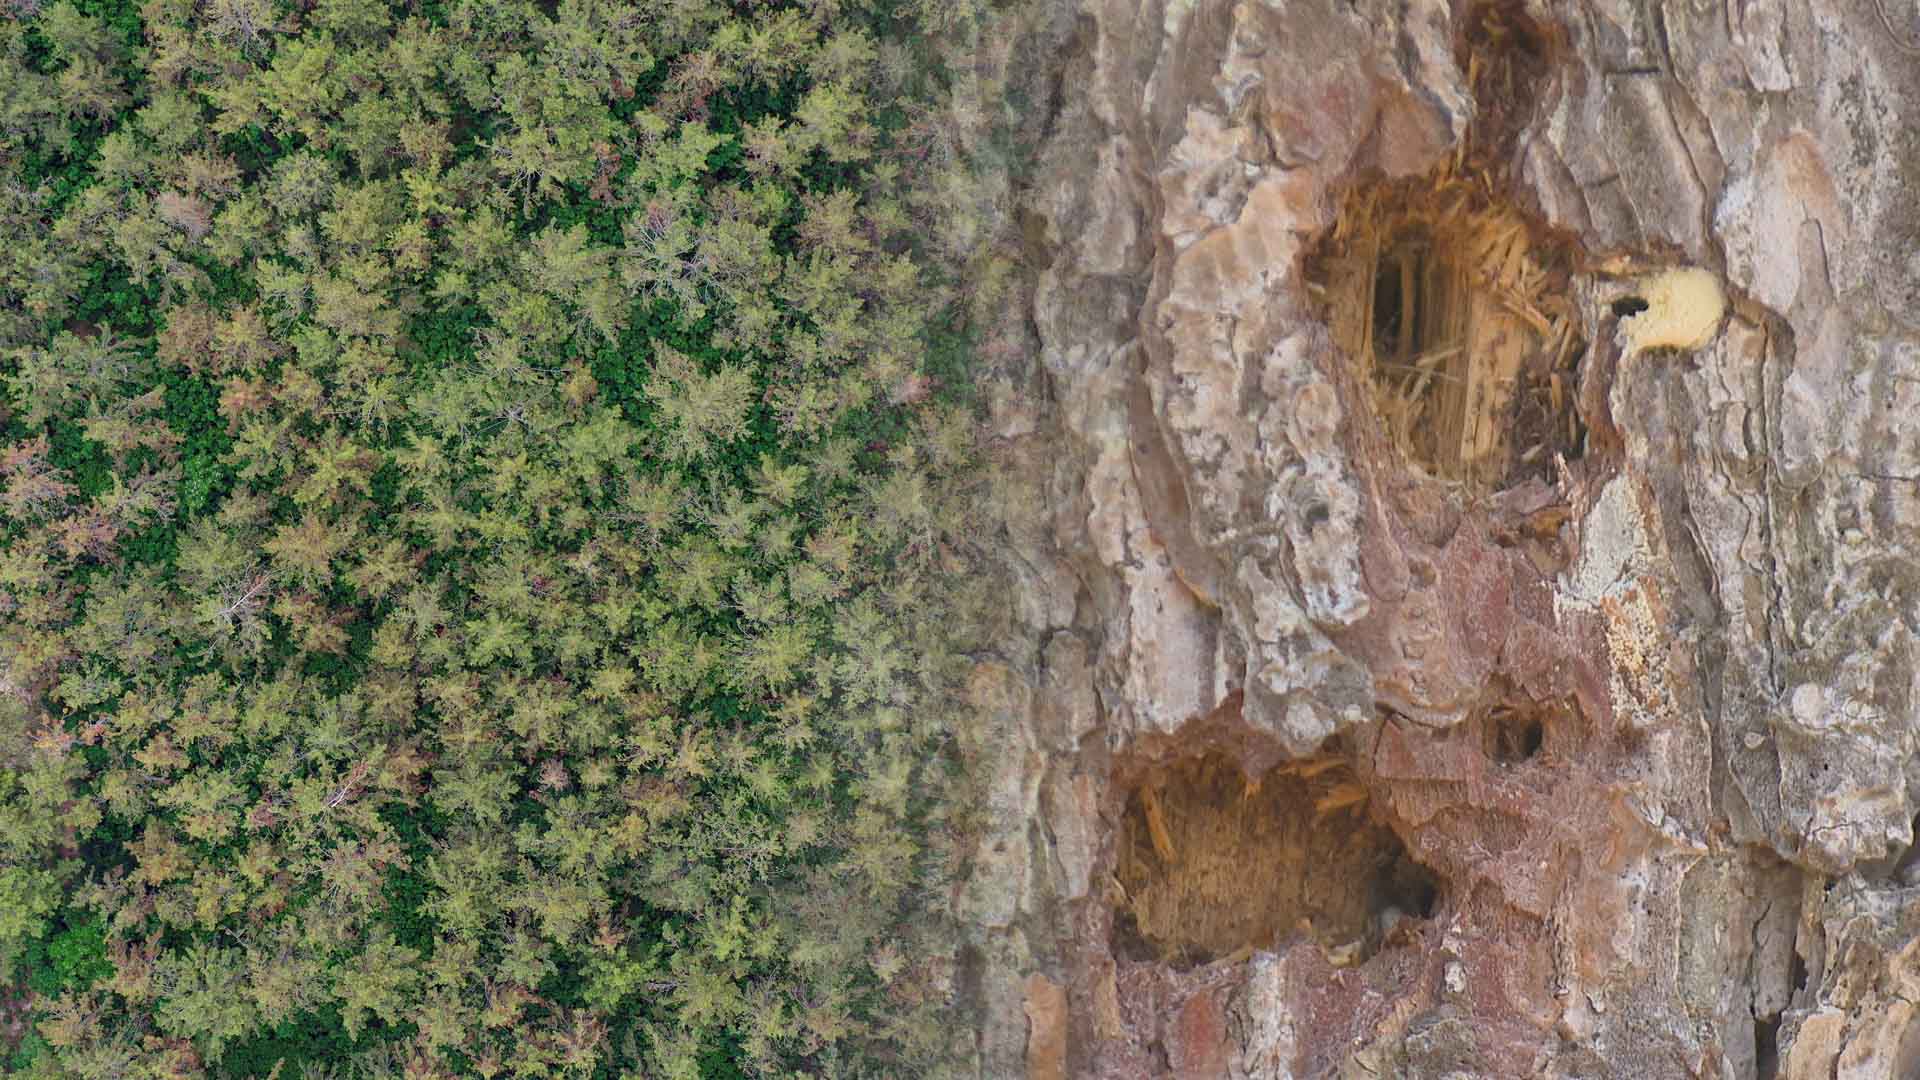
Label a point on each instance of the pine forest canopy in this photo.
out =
(479, 483)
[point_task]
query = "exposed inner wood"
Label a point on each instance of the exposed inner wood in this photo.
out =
(1211, 864)
(1457, 309)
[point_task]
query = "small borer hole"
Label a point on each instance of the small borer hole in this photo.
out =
(1516, 734)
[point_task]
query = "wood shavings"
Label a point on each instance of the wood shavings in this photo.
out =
(1458, 313)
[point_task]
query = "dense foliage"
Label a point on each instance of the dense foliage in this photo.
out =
(476, 528)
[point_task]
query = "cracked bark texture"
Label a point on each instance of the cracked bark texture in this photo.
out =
(1707, 868)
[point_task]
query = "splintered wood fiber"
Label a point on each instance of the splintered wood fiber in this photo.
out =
(1211, 864)
(1434, 288)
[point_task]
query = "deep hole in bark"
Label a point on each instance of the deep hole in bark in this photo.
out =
(1629, 306)
(1453, 298)
(1766, 1047)
(1456, 307)
(1394, 293)
(1211, 864)
(1514, 726)
(1514, 735)
(1128, 942)
(1510, 58)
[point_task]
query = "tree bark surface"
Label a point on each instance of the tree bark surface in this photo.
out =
(1619, 736)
